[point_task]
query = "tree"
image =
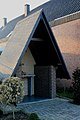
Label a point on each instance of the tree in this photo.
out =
(11, 92)
(76, 86)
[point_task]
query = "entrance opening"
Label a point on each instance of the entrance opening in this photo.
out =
(32, 99)
(44, 68)
(29, 86)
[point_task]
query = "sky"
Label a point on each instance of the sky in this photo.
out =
(13, 8)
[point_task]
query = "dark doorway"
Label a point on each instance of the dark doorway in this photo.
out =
(29, 86)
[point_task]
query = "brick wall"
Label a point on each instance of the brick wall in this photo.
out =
(45, 81)
(68, 38)
(52, 81)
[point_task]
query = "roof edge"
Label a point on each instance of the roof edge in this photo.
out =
(65, 19)
(59, 54)
(31, 34)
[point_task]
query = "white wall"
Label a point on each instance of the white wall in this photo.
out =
(28, 62)
(28, 68)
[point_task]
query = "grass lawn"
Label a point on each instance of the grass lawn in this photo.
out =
(65, 93)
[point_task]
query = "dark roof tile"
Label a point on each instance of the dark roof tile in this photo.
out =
(58, 8)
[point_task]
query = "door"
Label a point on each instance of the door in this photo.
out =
(29, 86)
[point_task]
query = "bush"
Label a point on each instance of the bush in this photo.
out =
(65, 93)
(0, 82)
(11, 92)
(33, 116)
(76, 86)
(1, 113)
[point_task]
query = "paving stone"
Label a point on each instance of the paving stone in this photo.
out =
(53, 109)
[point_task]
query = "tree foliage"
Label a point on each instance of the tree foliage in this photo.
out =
(33, 116)
(11, 92)
(76, 86)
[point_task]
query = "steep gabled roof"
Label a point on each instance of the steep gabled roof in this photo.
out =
(53, 9)
(10, 26)
(58, 8)
(20, 40)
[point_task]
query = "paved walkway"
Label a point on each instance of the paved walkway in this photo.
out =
(56, 109)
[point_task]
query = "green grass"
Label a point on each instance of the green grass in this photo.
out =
(66, 93)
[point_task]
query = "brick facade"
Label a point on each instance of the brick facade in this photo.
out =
(45, 81)
(68, 39)
(52, 81)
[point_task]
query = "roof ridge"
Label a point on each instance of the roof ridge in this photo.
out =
(65, 19)
(28, 17)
